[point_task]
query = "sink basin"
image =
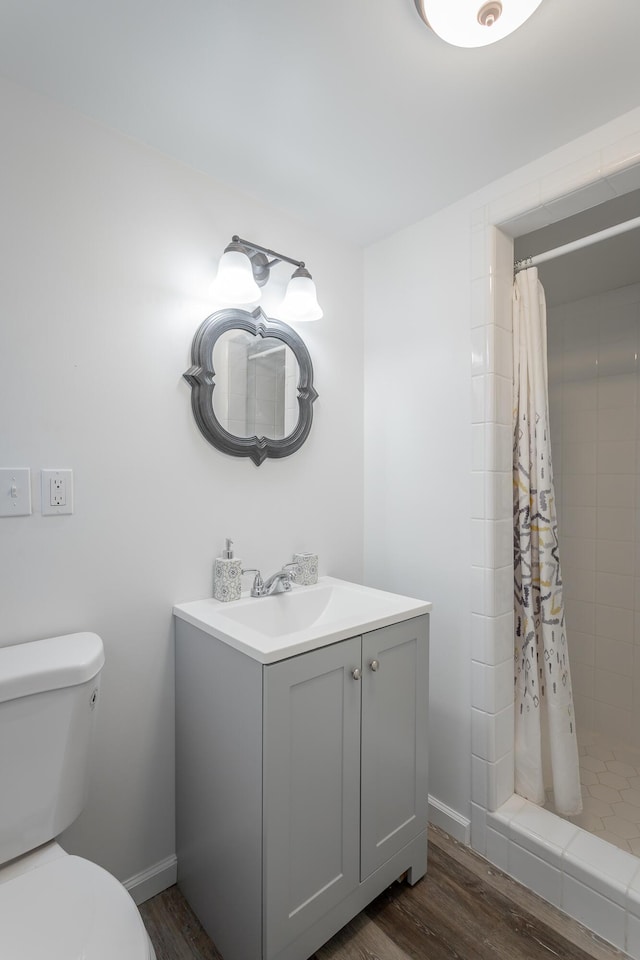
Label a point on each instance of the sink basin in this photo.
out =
(300, 609)
(286, 624)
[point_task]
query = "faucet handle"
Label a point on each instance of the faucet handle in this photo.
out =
(258, 576)
(258, 582)
(293, 574)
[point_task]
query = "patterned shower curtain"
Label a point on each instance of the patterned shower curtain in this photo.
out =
(546, 750)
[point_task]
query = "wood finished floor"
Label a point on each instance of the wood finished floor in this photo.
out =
(464, 909)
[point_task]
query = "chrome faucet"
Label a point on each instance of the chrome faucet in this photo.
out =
(277, 583)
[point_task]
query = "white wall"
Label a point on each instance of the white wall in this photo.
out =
(106, 252)
(417, 462)
(425, 287)
(107, 249)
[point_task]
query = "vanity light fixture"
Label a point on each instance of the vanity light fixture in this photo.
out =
(245, 267)
(474, 23)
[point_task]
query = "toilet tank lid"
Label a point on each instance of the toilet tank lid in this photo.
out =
(50, 664)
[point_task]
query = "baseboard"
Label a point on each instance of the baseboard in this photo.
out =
(153, 880)
(449, 820)
(161, 875)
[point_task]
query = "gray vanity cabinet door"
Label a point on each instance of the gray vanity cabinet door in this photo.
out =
(311, 798)
(394, 739)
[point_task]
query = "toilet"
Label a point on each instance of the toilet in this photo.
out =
(54, 904)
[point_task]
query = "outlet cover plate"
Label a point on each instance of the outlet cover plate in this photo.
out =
(15, 491)
(57, 492)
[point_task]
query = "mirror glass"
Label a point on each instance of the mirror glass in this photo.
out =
(256, 385)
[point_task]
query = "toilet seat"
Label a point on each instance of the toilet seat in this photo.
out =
(70, 909)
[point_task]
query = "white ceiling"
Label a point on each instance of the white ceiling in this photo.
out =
(349, 114)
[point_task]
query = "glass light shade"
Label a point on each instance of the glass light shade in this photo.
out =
(300, 301)
(234, 282)
(475, 23)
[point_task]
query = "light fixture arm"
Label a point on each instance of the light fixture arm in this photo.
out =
(278, 257)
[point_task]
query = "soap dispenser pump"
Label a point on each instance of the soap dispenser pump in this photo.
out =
(227, 575)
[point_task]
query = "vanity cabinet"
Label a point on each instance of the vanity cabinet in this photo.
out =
(301, 784)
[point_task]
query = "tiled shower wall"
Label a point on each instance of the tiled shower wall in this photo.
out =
(586, 877)
(593, 347)
(264, 402)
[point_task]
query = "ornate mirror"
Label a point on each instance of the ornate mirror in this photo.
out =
(251, 385)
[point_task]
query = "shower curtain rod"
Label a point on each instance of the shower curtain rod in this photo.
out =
(576, 245)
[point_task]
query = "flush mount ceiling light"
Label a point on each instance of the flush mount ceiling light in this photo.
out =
(245, 267)
(472, 23)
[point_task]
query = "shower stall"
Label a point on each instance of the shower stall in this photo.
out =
(593, 346)
(593, 880)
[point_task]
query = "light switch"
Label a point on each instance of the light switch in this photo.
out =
(15, 491)
(57, 492)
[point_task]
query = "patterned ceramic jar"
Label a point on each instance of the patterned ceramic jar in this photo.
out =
(227, 579)
(307, 564)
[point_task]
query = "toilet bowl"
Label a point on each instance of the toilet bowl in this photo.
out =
(63, 907)
(54, 905)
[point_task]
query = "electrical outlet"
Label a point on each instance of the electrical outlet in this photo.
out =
(57, 492)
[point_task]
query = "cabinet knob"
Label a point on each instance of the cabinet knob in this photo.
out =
(357, 673)
(375, 665)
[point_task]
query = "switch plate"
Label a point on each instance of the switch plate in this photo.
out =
(57, 492)
(15, 492)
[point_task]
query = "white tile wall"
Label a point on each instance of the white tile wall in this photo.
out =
(595, 400)
(525, 853)
(497, 848)
(586, 877)
(594, 911)
(536, 874)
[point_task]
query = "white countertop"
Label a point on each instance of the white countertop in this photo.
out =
(283, 625)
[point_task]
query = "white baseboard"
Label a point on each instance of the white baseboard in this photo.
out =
(161, 875)
(449, 820)
(153, 880)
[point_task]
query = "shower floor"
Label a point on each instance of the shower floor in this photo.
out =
(610, 778)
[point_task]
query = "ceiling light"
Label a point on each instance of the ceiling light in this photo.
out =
(472, 23)
(245, 267)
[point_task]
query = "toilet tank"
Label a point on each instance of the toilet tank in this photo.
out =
(48, 695)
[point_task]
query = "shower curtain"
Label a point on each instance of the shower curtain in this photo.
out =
(546, 750)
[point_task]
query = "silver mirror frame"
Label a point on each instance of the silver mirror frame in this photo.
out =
(201, 378)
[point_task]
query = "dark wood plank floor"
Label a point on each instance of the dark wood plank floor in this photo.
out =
(464, 909)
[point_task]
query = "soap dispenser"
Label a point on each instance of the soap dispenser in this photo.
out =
(227, 575)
